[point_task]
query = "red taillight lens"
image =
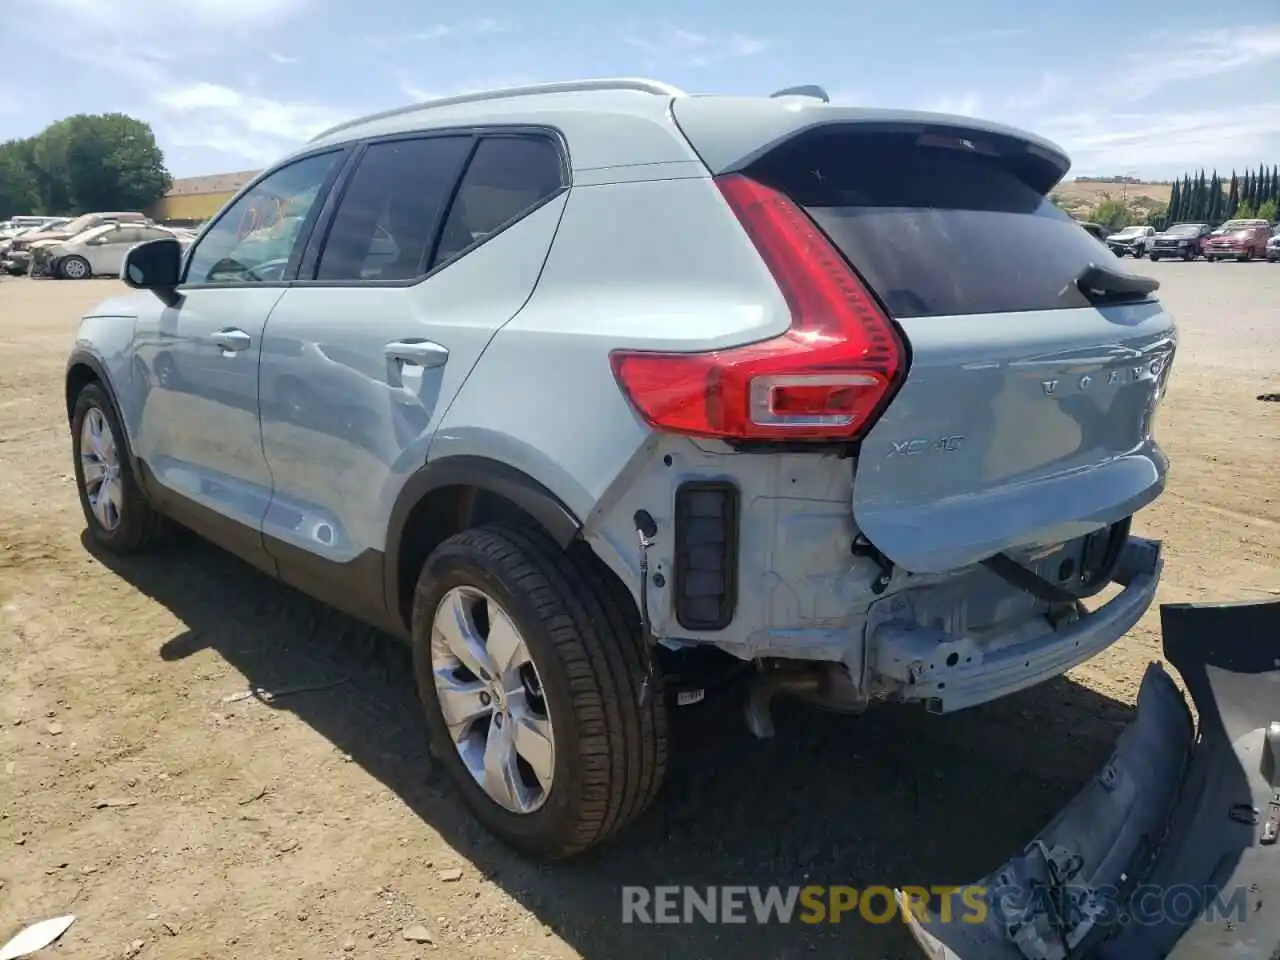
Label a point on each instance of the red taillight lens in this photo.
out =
(826, 378)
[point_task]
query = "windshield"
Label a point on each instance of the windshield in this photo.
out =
(78, 225)
(1129, 232)
(1183, 230)
(1232, 225)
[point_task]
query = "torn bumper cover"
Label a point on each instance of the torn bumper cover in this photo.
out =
(1170, 852)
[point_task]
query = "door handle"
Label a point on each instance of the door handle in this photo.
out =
(421, 353)
(231, 340)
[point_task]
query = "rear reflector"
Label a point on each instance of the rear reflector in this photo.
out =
(825, 379)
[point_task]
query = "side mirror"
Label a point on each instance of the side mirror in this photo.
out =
(155, 265)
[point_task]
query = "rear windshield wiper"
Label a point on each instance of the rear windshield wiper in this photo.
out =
(1101, 285)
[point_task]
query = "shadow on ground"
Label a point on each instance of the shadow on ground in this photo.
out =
(890, 798)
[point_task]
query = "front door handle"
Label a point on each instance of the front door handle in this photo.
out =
(231, 340)
(421, 353)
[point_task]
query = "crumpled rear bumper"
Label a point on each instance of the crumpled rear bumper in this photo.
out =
(1169, 852)
(951, 673)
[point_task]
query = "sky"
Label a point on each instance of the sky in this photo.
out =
(1142, 88)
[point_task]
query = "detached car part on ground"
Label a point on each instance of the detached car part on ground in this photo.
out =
(855, 457)
(1171, 851)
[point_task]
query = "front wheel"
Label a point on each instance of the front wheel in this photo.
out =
(1155, 257)
(530, 665)
(116, 511)
(74, 268)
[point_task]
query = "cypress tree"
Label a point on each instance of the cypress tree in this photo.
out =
(1202, 197)
(1215, 199)
(1247, 201)
(1233, 196)
(1174, 196)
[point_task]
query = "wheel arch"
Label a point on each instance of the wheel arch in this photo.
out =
(453, 494)
(84, 368)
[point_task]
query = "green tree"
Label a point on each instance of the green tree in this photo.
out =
(1214, 212)
(1246, 194)
(100, 162)
(1268, 211)
(1233, 196)
(1175, 196)
(19, 190)
(1112, 215)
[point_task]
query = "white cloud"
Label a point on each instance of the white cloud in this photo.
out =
(1049, 87)
(281, 58)
(984, 36)
(666, 43)
(1114, 142)
(963, 104)
(410, 88)
(1198, 56)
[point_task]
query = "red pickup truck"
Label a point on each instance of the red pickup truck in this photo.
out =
(1238, 240)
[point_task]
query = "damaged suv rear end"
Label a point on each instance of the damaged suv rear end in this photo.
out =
(913, 491)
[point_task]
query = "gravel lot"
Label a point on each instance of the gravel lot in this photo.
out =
(315, 826)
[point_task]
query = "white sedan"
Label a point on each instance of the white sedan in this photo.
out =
(100, 251)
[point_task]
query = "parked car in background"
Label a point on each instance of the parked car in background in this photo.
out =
(1095, 230)
(1185, 240)
(95, 252)
(1238, 240)
(20, 249)
(1134, 241)
(1273, 247)
(11, 233)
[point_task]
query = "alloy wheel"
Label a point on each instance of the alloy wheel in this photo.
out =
(100, 469)
(491, 698)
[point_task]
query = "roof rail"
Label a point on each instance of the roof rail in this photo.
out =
(805, 90)
(637, 84)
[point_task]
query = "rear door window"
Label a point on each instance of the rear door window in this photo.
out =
(506, 179)
(936, 228)
(389, 213)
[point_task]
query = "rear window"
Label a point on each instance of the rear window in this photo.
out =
(936, 230)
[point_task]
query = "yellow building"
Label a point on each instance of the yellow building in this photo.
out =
(198, 198)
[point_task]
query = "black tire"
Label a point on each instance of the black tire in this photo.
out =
(582, 630)
(141, 526)
(1246, 256)
(67, 265)
(1155, 257)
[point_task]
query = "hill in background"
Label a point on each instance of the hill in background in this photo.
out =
(1080, 197)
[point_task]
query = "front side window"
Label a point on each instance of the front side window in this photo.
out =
(253, 239)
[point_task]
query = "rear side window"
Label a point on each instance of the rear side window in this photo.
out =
(506, 179)
(936, 228)
(389, 213)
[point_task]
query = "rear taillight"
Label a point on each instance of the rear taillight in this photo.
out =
(826, 378)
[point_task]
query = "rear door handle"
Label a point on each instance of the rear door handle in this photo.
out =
(421, 353)
(231, 340)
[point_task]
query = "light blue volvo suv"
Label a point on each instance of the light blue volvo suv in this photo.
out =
(591, 390)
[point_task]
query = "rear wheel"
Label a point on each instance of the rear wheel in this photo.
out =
(1246, 256)
(116, 511)
(1154, 256)
(74, 268)
(530, 666)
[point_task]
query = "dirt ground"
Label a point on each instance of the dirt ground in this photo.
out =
(175, 823)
